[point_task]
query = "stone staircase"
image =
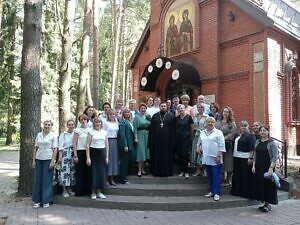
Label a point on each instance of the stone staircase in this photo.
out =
(161, 194)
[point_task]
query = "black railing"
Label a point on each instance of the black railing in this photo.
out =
(281, 166)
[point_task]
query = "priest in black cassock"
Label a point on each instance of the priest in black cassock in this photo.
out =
(161, 142)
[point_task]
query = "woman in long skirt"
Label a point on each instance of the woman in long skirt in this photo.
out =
(265, 157)
(97, 154)
(184, 132)
(228, 127)
(243, 181)
(44, 156)
(112, 127)
(199, 124)
(82, 171)
(65, 159)
(141, 125)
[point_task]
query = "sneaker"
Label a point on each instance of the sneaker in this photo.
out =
(181, 174)
(209, 195)
(36, 205)
(217, 197)
(93, 196)
(65, 194)
(100, 195)
(187, 175)
(46, 205)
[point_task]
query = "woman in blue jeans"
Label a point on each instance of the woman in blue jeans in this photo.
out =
(43, 162)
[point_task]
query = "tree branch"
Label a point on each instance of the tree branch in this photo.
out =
(58, 19)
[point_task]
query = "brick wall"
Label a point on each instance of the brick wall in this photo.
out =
(224, 57)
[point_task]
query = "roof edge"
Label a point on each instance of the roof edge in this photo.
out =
(251, 9)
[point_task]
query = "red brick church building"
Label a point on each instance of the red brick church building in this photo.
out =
(241, 53)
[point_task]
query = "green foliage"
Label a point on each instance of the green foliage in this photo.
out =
(137, 14)
(10, 57)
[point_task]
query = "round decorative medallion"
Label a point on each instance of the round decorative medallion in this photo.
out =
(168, 65)
(175, 74)
(159, 63)
(144, 81)
(150, 69)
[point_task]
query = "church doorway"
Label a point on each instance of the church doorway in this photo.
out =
(177, 87)
(167, 77)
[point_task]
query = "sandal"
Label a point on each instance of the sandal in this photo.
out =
(265, 209)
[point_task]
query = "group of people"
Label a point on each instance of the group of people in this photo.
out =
(103, 148)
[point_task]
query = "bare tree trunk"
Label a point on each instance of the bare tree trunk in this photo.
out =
(96, 78)
(89, 90)
(124, 69)
(84, 64)
(129, 86)
(114, 23)
(31, 93)
(1, 10)
(115, 86)
(11, 65)
(64, 102)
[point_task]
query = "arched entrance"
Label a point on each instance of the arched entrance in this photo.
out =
(178, 88)
(167, 77)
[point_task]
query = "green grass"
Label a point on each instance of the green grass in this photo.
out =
(4, 147)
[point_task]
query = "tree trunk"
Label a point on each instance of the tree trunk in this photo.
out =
(89, 90)
(1, 10)
(65, 68)
(96, 78)
(84, 64)
(31, 93)
(113, 23)
(124, 69)
(129, 85)
(115, 86)
(11, 94)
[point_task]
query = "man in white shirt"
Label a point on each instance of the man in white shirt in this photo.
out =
(211, 144)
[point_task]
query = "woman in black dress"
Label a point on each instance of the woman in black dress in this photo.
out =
(265, 157)
(243, 178)
(184, 133)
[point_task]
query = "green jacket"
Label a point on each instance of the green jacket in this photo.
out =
(125, 135)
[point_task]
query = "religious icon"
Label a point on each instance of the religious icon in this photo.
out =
(172, 37)
(186, 33)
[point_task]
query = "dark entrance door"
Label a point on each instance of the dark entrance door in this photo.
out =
(177, 87)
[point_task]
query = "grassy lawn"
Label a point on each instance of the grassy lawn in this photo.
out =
(4, 147)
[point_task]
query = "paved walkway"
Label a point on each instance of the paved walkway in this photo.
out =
(20, 211)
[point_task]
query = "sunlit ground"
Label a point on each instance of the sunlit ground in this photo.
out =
(9, 173)
(9, 169)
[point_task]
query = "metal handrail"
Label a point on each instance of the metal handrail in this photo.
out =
(283, 150)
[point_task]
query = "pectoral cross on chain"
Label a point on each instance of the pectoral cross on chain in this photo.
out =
(161, 124)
